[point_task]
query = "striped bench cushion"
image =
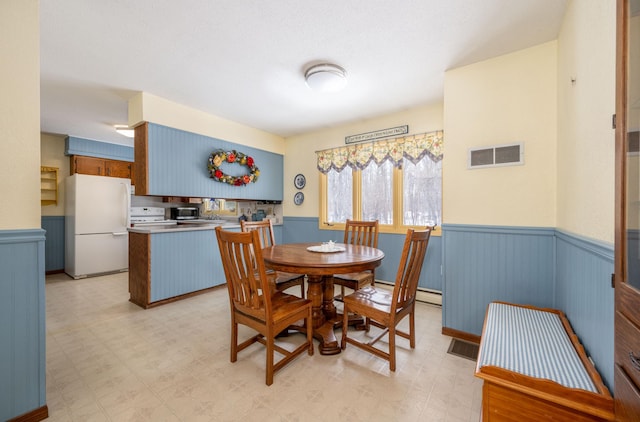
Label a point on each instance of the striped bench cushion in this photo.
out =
(534, 343)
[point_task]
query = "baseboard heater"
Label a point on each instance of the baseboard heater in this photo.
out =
(433, 297)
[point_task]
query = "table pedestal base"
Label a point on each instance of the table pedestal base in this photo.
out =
(325, 334)
(319, 268)
(325, 316)
(329, 344)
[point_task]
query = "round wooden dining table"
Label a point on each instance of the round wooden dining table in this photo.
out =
(319, 266)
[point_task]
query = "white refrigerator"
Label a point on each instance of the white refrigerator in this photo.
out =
(96, 222)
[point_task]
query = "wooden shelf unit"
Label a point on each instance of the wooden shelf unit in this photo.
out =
(48, 185)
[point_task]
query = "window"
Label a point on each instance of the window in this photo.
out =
(421, 192)
(340, 186)
(383, 181)
(377, 192)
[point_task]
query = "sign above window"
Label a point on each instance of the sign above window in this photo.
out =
(384, 133)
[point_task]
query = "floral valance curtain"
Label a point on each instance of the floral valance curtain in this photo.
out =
(358, 156)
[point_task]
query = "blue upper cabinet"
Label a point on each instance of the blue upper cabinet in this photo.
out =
(173, 162)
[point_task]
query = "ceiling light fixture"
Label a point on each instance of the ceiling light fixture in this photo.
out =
(326, 77)
(125, 130)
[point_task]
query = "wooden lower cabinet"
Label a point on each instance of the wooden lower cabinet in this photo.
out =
(627, 397)
(502, 403)
(139, 269)
(170, 265)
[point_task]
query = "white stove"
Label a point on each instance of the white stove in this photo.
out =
(149, 216)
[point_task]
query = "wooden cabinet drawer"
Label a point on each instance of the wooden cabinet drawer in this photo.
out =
(628, 342)
(627, 400)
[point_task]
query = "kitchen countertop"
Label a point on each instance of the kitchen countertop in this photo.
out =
(182, 227)
(188, 225)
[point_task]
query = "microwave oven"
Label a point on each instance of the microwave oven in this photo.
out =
(184, 213)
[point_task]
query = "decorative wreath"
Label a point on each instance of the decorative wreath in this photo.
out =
(221, 156)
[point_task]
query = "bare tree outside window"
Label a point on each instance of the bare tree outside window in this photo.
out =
(340, 194)
(377, 192)
(422, 192)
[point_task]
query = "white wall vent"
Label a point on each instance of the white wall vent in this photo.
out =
(496, 156)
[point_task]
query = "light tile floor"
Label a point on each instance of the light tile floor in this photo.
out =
(109, 360)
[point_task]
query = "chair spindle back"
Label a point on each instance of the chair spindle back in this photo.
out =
(264, 229)
(409, 268)
(245, 273)
(361, 233)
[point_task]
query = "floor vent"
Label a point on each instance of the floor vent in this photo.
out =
(463, 349)
(496, 156)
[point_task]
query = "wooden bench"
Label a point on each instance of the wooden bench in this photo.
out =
(535, 369)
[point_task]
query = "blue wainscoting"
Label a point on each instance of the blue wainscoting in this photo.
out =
(584, 294)
(183, 262)
(483, 264)
(537, 266)
(305, 229)
(54, 243)
(22, 322)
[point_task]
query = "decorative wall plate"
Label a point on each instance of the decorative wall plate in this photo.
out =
(298, 198)
(299, 181)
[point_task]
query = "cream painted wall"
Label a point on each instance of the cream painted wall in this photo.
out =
(150, 108)
(52, 155)
(586, 52)
(507, 99)
(301, 158)
(20, 114)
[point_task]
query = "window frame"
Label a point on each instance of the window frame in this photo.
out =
(397, 226)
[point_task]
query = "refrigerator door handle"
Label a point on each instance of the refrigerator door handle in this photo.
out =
(127, 204)
(120, 233)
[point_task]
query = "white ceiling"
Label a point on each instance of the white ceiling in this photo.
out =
(244, 59)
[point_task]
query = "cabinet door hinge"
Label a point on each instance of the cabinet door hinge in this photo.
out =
(613, 121)
(613, 281)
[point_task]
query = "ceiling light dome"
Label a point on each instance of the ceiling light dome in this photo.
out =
(125, 130)
(326, 77)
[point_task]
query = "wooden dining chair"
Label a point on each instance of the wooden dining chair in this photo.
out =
(358, 233)
(384, 309)
(253, 303)
(281, 280)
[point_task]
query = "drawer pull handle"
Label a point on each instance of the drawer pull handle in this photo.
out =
(635, 361)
